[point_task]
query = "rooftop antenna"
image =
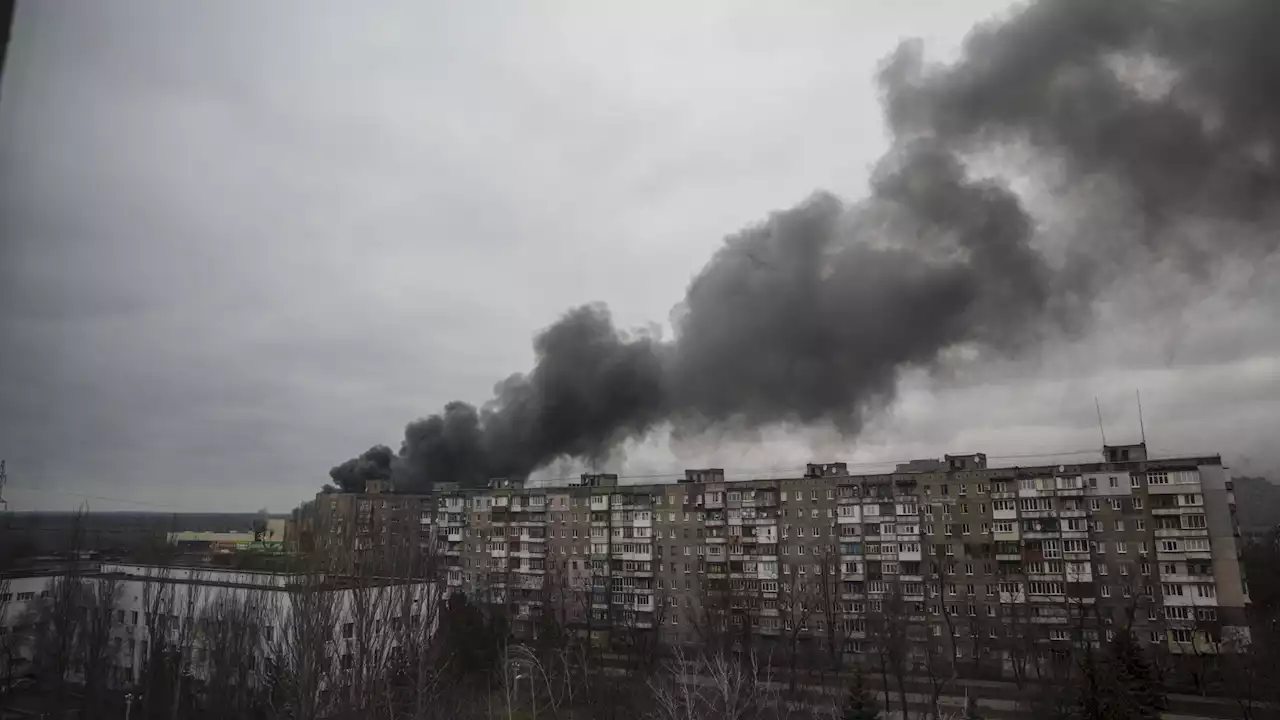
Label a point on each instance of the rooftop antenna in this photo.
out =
(1101, 429)
(1141, 426)
(3, 477)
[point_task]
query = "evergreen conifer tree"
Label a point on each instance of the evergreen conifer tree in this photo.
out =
(1134, 691)
(860, 703)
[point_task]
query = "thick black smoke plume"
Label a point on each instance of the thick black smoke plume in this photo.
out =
(810, 316)
(374, 464)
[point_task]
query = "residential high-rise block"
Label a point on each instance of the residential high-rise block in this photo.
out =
(985, 564)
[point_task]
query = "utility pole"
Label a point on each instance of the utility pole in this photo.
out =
(7, 10)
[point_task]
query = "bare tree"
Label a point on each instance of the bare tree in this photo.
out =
(940, 660)
(716, 687)
(828, 586)
(12, 639)
(60, 613)
(797, 604)
(231, 633)
(182, 638)
(157, 604)
(300, 667)
(887, 632)
(101, 597)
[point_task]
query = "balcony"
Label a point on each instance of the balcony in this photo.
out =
(1048, 620)
(1182, 533)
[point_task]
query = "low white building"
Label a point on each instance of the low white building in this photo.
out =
(200, 612)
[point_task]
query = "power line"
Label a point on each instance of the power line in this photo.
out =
(103, 498)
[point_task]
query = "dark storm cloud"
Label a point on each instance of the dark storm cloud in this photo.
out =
(812, 315)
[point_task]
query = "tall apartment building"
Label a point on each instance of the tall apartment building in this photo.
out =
(1004, 560)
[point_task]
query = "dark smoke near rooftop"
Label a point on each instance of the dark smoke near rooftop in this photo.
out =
(810, 315)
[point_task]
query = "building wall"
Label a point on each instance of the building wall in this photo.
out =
(1055, 548)
(189, 594)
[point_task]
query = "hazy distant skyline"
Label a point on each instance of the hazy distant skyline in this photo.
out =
(239, 244)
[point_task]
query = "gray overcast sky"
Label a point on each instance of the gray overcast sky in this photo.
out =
(241, 242)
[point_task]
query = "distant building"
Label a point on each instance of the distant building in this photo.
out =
(271, 535)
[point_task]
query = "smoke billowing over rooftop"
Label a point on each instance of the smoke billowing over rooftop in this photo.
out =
(1166, 109)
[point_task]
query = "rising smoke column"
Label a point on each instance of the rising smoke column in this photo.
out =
(811, 314)
(373, 464)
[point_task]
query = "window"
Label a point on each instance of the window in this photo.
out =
(1134, 481)
(1137, 503)
(1118, 526)
(1095, 504)
(1115, 504)
(1113, 481)
(1044, 587)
